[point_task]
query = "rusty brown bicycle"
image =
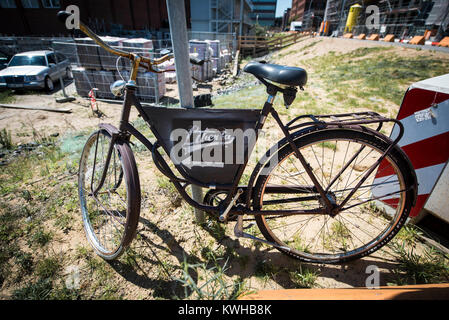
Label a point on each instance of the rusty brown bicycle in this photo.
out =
(333, 189)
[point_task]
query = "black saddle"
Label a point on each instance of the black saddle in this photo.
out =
(290, 76)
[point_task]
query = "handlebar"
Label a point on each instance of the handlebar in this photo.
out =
(143, 61)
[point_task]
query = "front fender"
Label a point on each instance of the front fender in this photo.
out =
(109, 128)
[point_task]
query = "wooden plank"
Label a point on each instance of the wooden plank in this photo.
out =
(411, 292)
(15, 106)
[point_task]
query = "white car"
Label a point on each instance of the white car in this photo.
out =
(35, 70)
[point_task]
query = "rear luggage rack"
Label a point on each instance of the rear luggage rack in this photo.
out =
(343, 119)
(346, 120)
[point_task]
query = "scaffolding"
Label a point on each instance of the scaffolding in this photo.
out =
(401, 18)
(221, 16)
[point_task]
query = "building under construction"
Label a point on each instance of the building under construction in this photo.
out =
(402, 18)
(221, 16)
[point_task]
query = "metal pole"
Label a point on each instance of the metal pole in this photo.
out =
(61, 82)
(180, 43)
(326, 12)
(241, 18)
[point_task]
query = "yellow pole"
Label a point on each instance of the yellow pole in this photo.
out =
(352, 17)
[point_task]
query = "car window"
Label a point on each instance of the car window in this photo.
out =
(51, 58)
(60, 57)
(27, 61)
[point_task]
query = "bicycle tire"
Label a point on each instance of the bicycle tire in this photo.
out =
(396, 159)
(124, 220)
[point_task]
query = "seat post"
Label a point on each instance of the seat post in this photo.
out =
(272, 91)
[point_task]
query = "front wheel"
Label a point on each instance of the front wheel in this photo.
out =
(339, 159)
(49, 86)
(110, 216)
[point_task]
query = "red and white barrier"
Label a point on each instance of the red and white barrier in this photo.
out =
(425, 115)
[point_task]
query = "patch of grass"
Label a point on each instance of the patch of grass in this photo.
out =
(7, 96)
(24, 260)
(10, 231)
(210, 284)
(5, 139)
(379, 73)
(45, 289)
(48, 267)
(40, 237)
(304, 277)
(39, 290)
(64, 222)
(169, 190)
(247, 98)
(408, 234)
(430, 266)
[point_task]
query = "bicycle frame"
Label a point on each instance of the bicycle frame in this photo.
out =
(126, 129)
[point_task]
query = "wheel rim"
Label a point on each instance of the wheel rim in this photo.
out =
(353, 231)
(49, 84)
(104, 216)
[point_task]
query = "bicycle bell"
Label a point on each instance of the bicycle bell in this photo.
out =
(117, 88)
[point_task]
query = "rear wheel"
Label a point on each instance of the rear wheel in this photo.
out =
(364, 225)
(110, 216)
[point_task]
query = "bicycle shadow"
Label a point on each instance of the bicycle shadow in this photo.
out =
(246, 261)
(272, 264)
(169, 288)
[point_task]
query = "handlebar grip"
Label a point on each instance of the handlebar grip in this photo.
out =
(196, 61)
(63, 15)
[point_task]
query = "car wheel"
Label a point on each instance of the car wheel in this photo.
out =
(49, 86)
(68, 73)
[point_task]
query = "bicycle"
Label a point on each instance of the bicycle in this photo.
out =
(317, 195)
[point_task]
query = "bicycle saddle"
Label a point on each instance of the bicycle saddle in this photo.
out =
(290, 76)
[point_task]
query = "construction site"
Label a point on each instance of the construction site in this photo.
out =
(396, 69)
(403, 19)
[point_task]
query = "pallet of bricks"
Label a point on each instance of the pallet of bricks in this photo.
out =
(204, 52)
(217, 63)
(98, 68)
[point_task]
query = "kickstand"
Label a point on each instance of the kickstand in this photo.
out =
(239, 233)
